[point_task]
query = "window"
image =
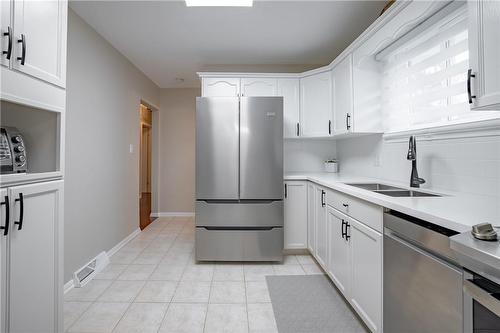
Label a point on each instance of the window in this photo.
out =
(424, 80)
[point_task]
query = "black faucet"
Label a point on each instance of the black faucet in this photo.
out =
(415, 181)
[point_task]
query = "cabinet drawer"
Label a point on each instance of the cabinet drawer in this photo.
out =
(363, 211)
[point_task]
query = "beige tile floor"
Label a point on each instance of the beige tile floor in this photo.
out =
(153, 284)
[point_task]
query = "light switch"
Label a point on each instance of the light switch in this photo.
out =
(131, 148)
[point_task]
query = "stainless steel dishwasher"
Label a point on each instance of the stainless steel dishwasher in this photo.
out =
(422, 282)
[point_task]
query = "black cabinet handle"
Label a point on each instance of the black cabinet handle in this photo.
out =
(22, 58)
(9, 47)
(298, 129)
(5, 227)
(347, 234)
(343, 224)
(286, 191)
(469, 90)
(348, 121)
(21, 212)
(323, 204)
(345, 205)
(329, 127)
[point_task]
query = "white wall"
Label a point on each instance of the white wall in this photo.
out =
(468, 165)
(176, 123)
(307, 155)
(104, 91)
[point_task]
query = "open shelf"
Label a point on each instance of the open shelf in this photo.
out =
(41, 132)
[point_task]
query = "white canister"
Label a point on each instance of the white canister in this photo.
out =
(331, 166)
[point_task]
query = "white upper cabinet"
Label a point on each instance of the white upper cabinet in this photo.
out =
(221, 87)
(295, 202)
(258, 87)
(316, 105)
(39, 45)
(289, 89)
(342, 96)
(484, 55)
(6, 32)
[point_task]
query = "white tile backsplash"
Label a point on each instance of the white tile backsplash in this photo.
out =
(307, 155)
(468, 165)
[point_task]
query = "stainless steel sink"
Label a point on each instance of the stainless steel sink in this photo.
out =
(374, 186)
(407, 193)
(392, 191)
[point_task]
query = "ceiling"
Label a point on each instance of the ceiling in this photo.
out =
(167, 40)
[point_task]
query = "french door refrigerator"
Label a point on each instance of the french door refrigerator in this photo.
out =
(239, 178)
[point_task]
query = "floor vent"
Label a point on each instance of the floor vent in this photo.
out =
(82, 276)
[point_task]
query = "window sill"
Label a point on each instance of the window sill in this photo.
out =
(480, 128)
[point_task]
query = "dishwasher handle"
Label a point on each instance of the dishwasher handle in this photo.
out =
(482, 296)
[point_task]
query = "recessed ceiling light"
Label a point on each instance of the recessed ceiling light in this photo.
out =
(219, 3)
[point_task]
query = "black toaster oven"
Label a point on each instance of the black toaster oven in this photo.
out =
(12, 151)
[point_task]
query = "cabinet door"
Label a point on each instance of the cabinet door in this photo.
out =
(258, 87)
(221, 87)
(5, 25)
(484, 52)
(366, 287)
(295, 215)
(35, 272)
(342, 96)
(4, 222)
(311, 217)
(44, 27)
(316, 105)
(339, 259)
(321, 236)
(289, 89)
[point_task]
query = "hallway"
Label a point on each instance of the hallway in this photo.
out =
(154, 285)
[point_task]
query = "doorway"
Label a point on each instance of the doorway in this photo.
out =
(146, 119)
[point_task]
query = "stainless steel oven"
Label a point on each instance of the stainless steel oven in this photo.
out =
(481, 304)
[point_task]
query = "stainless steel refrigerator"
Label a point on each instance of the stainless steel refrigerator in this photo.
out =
(239, 178)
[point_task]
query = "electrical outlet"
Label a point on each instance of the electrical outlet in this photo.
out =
(376, 160)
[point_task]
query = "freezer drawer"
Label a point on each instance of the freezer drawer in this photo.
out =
(239, 245)
(239, 214)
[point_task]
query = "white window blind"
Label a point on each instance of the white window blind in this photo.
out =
(424, 80)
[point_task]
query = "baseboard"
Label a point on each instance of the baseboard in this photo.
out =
(127, 239)
(70, 284)
(172, 214)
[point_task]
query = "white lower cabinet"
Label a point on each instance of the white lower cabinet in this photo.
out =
(366, 268)
(31, 258)
(295, 228)
(349, 250)
(311, 217)
(339, 259)
(320, 224)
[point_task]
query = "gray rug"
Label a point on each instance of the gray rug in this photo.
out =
(310, 303)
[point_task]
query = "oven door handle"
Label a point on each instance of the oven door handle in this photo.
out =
(482, 296)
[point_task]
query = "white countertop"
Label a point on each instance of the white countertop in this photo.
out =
(455, 211)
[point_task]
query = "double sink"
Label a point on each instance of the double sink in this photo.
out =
(392, 191)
